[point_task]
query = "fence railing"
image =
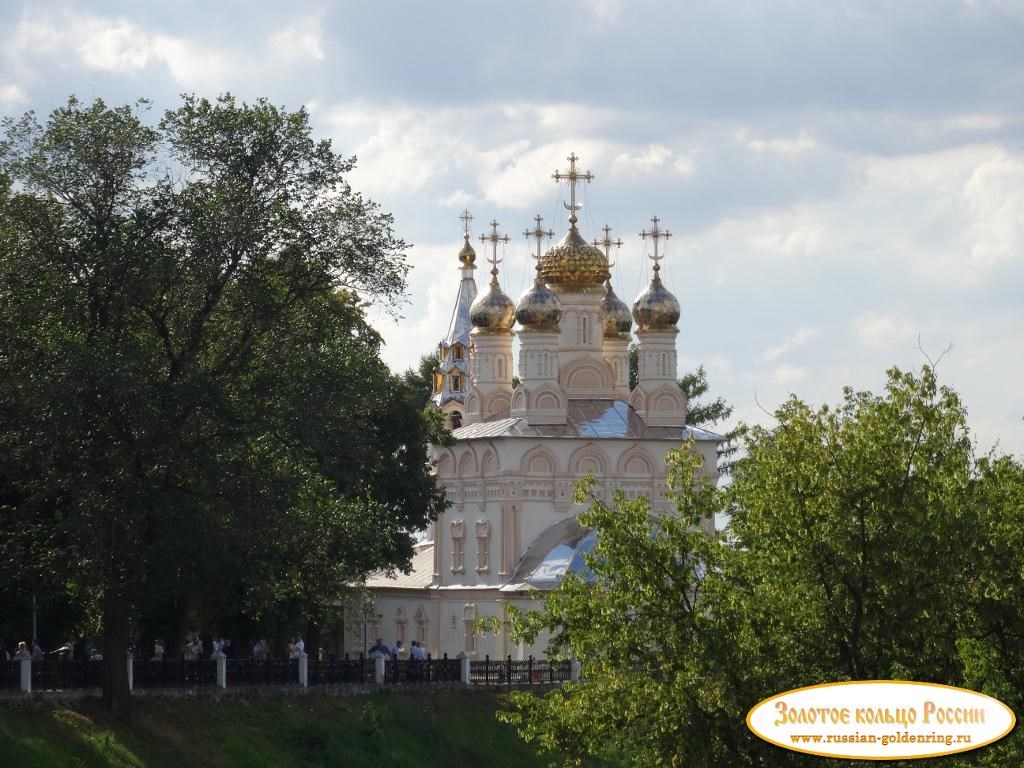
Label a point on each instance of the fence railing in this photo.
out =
(220, 672)
(529, 672)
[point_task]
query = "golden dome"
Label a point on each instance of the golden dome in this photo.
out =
(539, 308)
(574, 262)
(492, 312)
(656, 309)
(617, 320)
(467, 256)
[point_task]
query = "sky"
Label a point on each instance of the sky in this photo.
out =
(844, 181)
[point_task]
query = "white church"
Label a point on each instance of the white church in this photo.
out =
(512, 530)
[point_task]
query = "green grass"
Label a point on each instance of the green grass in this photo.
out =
(380, 731)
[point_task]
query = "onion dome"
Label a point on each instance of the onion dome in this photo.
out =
(539, 308)
(493, 311)
(467, 256)
(617, 320)
(574, 263)
(656, 309)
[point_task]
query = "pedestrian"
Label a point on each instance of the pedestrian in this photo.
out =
(23, 652)
(379, 650)
(300, 647)
(158, 651)
(416, 651)
(37, 651)
(259, 650)
(397, 651)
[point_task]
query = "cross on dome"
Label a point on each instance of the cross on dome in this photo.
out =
(607, 244)
(574, 177)
(538, 233)
(656, 234)
(466, 217)
(494, 238)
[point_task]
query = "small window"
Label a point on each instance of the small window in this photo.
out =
(457, 352)
(456, 419)
(456, 382)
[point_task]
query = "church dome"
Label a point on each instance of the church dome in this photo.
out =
(574, 262)
(656, 309)
(617, 319)
(467, 256)
(493, 311)
(539, 308)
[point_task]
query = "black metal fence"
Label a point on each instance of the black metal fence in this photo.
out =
(529, 672)
(68, 674)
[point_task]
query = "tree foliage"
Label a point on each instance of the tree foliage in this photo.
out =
(865, 542)
(191, 400)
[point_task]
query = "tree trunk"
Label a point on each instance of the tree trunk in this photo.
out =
(116, 696)
(176, 642)
(312, 638)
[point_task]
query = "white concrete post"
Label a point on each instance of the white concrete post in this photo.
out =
(222, 668)
(131, 671)
(378, 670)
(575, 668)
(26, 673)
(464, 660)
(304, 669)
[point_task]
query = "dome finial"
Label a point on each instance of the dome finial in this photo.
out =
(574, 177)
(656, 234)
(467, 256)
(607, 244)
(539, 234)
(494, 238)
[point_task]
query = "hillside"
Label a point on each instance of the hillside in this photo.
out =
(380, 731)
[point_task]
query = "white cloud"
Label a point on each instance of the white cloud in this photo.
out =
(796, 339)
(884, 330)
(460, 198)
(11, 94)
(788, 374)
(300, 40)
(800, 240)
(783, 146)
(994, 194)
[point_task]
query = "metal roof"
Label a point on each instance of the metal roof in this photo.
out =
(586, 419)
(420, 576)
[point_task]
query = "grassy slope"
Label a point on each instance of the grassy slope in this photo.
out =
(404, 731)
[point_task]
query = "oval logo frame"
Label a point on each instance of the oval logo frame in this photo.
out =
(880, 720)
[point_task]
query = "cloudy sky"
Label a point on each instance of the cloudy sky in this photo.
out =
(844, 180)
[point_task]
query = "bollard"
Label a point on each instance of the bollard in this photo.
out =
(464, 671)
(304, 669)
(378, 670)
(222, 668)
(575, 668)
(131, 672)
(26, 673)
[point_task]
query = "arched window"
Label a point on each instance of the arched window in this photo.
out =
(456, 382)
(456, 419)
(456, 352)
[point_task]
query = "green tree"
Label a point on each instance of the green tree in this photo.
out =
(421, 378)
(851, 553)
(191, 401)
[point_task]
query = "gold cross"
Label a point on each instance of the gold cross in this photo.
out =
(538, 233)
(494, 238)
(608, 243)
(574, 177)
(656, 234)
(466, 217)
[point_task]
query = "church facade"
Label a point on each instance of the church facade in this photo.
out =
(519, 448)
